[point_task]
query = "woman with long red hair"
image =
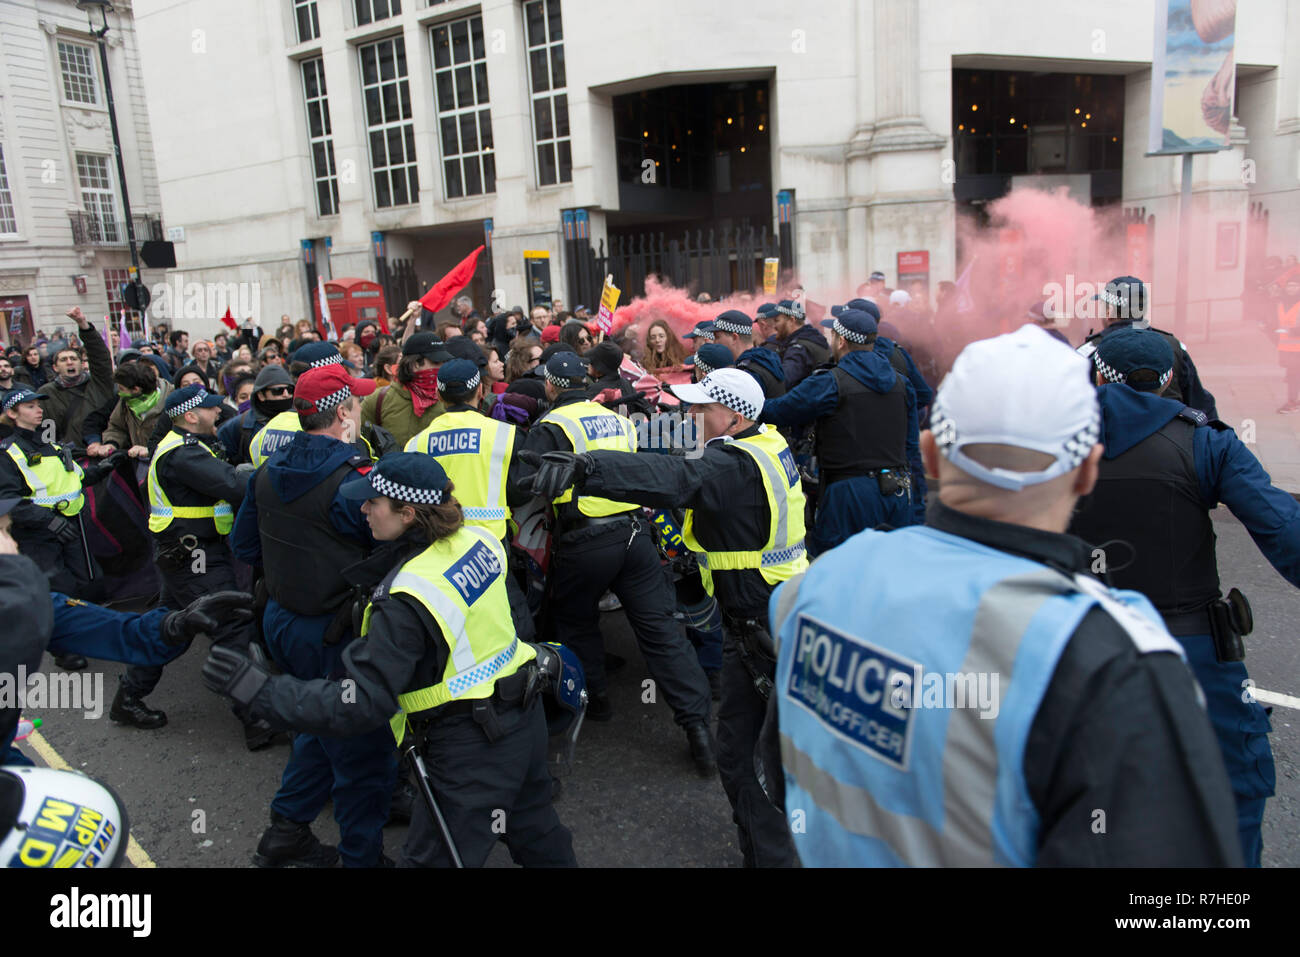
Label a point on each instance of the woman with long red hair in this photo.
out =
(664, 352)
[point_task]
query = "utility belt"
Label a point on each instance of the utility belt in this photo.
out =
(756, 649)
(173, 554)
(892, 481)
(594, 524)
(518, 690)
(1226, 620)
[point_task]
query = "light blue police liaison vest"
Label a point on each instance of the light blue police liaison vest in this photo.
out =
(871, 782)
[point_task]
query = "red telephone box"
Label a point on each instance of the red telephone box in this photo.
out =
(350, 301)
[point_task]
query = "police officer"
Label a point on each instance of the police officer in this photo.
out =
(193, 493)
(1124, 304)
(1092, 750)
(1165, 468)
(280, 428)
(604, 544)
(304, 534)
(439, 659)
(710, 357)
(744, 521)
(47, 523)
(801, 347)
(702, 333)
(865, 414)
(735, 330)
(272, 396)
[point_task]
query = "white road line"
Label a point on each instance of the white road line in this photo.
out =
(1275, 697)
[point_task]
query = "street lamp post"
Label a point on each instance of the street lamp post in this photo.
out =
(101, 8)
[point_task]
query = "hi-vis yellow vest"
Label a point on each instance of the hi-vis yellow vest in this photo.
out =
(273, 436)
(475, 452)
(593, 428)
(460, 581)
(52, 485)
(161, 510)
(783, 555)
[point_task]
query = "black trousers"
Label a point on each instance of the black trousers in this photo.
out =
(764, 837)
(64, 563)
(601, 558)
(489, 792)
(182, 585)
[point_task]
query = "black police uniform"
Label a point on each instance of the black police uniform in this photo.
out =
(65, 559)
(618, 554)
(403, 650)
(191, 476)
(725, 489)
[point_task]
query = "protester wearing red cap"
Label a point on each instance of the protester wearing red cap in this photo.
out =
(296, 525)
(410, 404)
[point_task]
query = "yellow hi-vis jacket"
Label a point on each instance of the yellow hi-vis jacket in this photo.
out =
(52, 485)
(475, 451)
(592, 428)
(161, 510)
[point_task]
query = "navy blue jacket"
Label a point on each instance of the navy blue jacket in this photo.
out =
(295, 470)
(1226, 471)
(818, 395)
(797, 362)
(767, 358)
(1189, 381)
(924, 394)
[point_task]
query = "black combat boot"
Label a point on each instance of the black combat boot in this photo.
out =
(701, 742)
(71, 662)
(287, 843)
(130, 709)
(258, 734)
(599, 707)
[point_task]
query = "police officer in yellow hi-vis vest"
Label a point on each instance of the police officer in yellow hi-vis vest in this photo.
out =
(47, 522)
(439, 659)
(193, 493)
(605, 545)
(744, 520)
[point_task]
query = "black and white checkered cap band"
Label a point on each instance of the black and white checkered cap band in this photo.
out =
(704, 367)
(470, 384)
(561, 383)
(193, 402)
(705, 334)
(1111, 374)
(735, 403)
(794, 312)
(337, 397)
(726, 325)
(404, 493)
(13, 400)
(333, 360)
(1076, 447)
(841, 329)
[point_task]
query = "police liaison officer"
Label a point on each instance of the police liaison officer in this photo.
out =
(295, 524)
(604, 544)
(866, 433)
(1093, 750)
(438, 658)
(744, 521)
(1165, 467)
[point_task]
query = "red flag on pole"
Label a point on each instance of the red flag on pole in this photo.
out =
(229, 321)
(441, 292)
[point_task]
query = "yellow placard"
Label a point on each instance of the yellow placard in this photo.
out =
(770, 268)
(536, 254)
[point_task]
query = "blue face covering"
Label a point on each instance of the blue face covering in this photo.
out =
(244, 406)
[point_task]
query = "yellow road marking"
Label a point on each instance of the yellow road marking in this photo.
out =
(134, 852)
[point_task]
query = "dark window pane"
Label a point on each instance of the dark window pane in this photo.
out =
(404, 88)
(325, 116)
(445, 100)
(546, 165)
(468, 134)
(485, 128)
(473, 177)
(454, 189)
(401, 57)
(536, 29)
(318, 160)
(480, 82)
(391, 114)
(441, 48)
(566, 161)
(400, 197)
(314, 125)
(562, 115)
(323, 197)
(374, 116)
(464, 87)
(460, 42)
(396, 154)
(557, 67)
(311, 80)
(450, 144)
(378, 155)
(413, 182)
(363, 12)
(410, 143)
(369, 65)
(476, 34)
(553, 20)
(304, 24)
(538, 58)
(490, 172)
(382, 195)
(542, 118)
(386, 69)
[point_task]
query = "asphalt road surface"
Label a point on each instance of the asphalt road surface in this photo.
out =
(197, 798)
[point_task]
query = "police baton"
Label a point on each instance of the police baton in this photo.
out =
(412, 755)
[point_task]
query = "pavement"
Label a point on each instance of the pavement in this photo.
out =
(197, 798)
(1237, 362)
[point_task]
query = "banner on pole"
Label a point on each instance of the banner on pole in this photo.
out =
(608, 303)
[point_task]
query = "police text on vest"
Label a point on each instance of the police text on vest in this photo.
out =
(103, 910)
(477, 569)
(455, 442)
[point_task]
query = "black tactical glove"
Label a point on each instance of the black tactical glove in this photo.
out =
(65, 531)
(233, 674)
(220, 615)
(556, 472)
(380, 439)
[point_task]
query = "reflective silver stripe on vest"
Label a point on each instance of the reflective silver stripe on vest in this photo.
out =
(970, 758)
(462, 655)
(780, 492)
(500, 439)
(475, 514)
(39, 489)
(465, 680)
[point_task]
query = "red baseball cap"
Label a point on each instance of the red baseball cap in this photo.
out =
(551, 334)
(328, 387)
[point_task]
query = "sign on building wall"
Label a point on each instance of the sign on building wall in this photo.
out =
(914, 267)
(1193, 76)
(537, 272)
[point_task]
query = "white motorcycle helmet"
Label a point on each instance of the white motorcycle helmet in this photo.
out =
(52, 818)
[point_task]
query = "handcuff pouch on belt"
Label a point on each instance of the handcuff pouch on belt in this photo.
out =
(1230, 620)
(178, 554)
(520, 688)
(757, 652)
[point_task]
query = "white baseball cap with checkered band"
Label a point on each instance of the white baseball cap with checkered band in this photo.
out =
(736, 389)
